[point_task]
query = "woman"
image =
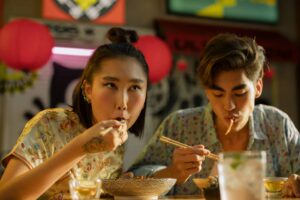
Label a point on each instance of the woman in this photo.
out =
(231, 72)
(108, 100)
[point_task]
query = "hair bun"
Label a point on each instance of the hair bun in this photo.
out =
(119, 35)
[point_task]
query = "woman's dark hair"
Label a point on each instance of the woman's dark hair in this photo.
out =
(227, 52)
(120, 46)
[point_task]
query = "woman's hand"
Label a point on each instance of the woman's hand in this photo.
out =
(105, 136)
(292, 186)
(187, 161)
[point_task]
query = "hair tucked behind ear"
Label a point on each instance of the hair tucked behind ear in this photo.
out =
(120, 47)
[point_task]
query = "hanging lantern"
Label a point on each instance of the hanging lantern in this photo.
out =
(25, 44)
(158, 56)
(181, 64)
(0, 45)
(269, 73)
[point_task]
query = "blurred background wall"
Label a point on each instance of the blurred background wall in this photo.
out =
(179, 89)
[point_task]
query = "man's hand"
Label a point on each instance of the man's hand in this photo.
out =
(292, 186)
(187, 161)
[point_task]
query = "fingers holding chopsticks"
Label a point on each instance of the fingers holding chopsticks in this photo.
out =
(105, 136)
(200, 149)
(187, 161)
(182, 145)
(190, 158)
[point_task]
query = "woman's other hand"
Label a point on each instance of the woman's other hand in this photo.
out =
(292, 186)
(105, 136)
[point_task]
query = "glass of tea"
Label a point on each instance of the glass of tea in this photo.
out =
(85, 189)
(274, 186)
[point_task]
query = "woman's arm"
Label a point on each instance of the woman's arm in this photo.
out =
(19, 182)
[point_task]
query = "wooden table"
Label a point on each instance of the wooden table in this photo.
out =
(194, 197)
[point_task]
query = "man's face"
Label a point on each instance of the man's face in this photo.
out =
(232, 97)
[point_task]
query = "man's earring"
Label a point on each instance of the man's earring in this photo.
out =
(83, 94)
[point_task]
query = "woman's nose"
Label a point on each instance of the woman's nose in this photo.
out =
(122, 107)
(122, 101)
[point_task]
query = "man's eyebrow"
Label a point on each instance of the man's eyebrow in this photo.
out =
(215, 87)
(238, 87)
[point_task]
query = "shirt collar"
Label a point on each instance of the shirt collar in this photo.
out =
(255, 130)
(212, 136)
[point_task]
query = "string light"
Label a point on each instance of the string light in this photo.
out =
(72, 51)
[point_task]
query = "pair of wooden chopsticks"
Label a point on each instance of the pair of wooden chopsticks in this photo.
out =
(182, 145)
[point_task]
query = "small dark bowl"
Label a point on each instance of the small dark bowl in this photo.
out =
(210, 190)
(212, 193)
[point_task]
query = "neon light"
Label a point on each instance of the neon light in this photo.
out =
(72, 51)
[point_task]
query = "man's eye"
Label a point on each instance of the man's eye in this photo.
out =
(218, 95)
(240, 94)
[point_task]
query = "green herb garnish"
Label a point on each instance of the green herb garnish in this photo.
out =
(238, 160)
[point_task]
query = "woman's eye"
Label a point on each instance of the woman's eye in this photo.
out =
(109, 85)
(135, 87)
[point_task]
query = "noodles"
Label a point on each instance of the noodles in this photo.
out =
(229, 127)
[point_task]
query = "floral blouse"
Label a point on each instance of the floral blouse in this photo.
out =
(270, 130)
(48, 132)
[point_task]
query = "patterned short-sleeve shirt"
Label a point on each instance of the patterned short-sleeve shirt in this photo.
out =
(48, 132)
(270, 130)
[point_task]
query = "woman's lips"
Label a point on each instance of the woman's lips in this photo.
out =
(120, 119)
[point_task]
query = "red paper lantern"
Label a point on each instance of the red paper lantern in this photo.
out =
(25, 44)
(181, 64)
(269, 73)
(158, 56)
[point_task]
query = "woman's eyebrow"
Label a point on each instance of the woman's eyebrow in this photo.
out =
(137, 80)
(115, 79)
(110, 78)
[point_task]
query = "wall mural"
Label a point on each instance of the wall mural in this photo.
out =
(96, 11)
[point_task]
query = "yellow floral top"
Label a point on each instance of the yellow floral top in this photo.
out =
(48, 132)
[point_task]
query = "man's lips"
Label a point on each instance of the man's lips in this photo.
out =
(232, 117)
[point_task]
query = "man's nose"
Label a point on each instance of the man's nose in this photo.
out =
(229, 104)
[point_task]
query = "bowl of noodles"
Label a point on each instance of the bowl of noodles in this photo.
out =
(137, 188)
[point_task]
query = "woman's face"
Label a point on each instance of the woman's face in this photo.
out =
(118, 90)
(232, 97)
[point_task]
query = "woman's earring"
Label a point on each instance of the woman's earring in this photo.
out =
(83, 94)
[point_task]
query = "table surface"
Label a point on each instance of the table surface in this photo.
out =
(195, 197)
